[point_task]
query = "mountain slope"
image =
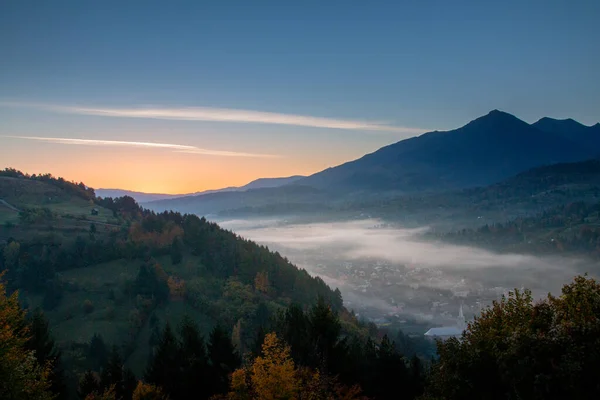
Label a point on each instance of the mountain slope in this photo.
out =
(142, 197)
(571, 129)
(205, 204)
(486, 150)
(263, 183)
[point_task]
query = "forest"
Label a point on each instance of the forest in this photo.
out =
(568, 228)
(165, 305)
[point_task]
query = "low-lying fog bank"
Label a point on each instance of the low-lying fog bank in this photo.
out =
(386, 271)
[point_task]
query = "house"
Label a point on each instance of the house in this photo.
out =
(94, 211)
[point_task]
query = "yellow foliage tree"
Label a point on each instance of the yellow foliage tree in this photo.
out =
(261, 282)
(274, 373)
(21, 377)
(272, 376)
(146, 391)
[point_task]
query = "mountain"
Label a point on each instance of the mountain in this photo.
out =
(137, 196)
(212, 203)
(486, 150)
(142, 197)
(489, 149)
(571, 129)
(263, 183)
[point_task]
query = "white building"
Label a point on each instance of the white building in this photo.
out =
(446, 332)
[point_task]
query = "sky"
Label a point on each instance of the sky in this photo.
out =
(183, 96)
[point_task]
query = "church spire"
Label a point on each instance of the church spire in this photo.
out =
(461, 317)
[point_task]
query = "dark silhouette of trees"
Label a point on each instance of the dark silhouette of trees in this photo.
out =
(43, 345)
(223, 359)
(519, 348)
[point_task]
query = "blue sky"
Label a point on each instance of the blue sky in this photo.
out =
(356, 72)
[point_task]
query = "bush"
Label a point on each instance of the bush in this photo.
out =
(88, 306)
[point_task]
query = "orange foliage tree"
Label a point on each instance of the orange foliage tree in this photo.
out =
(21, 377)
(274, 376)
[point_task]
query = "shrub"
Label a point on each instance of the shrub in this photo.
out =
(88, 306)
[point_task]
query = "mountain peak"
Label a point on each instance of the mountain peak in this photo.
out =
(497, 114)
(495, 119)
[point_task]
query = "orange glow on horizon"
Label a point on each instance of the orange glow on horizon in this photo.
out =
(156, 170)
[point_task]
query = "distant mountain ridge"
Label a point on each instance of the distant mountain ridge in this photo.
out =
(571, 129)
(485, 151)
(142, 197)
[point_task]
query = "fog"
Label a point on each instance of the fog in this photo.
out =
(386, 271)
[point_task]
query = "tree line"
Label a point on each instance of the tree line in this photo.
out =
(516, 348)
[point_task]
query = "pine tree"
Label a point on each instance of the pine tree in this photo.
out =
(45, 350)
(390, 371)
(194, 361)
(324, 332)
(98, 351)
(129, 383)
(176, 251)
(223, 360)
(112, 373)
(164, 367)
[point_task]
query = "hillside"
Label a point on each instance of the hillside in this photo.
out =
(524, 194)
(569, 229)
(484, 151)
(126, 280)
(32, 207)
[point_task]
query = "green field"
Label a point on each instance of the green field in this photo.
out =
(103, 286)
(26, 193)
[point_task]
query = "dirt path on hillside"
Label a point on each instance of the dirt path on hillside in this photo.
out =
(5, 204)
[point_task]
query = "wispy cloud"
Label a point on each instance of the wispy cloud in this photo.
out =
(179, 148)
(226, 115)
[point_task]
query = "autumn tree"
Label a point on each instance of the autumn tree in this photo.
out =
(271, 376)
(107, 394)
(146, 391)
(21, 376)
(261, 281)
(273, 373)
